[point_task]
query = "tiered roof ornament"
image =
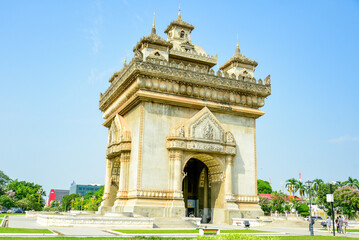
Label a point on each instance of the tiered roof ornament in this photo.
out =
(153, 41)
(239, 63)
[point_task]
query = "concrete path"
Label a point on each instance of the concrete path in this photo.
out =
(21, 221)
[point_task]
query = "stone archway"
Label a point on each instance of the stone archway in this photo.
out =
(202, 186)
(204, 138)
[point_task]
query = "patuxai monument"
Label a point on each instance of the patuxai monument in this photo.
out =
(182, 137)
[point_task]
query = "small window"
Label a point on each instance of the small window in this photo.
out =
(182, 34)
(157, 54)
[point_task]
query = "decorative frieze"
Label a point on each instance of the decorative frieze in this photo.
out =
(190, 81)
(246, 198)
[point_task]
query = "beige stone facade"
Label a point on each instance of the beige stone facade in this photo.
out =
(182, 138)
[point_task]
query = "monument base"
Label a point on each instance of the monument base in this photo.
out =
(151, 207)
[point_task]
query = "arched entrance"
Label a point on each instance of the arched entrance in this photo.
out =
(196, 190)
(201, 186)
(201, 148)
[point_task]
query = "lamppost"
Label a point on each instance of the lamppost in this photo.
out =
(82, 202)
(39, 192)
(332, 201)
(309, 185)
(290, 189)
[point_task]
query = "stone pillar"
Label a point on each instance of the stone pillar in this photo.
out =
(229, 164)
(108, 175)
(176, 173)
(106, 204)
(205, 197)
(124, 175)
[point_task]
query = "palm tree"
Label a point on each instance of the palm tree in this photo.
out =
(301, 188)
(317, 185)
(293, 182)
(353, 182)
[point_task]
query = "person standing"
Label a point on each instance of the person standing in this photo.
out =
(345, 222)
(341, 224)
(329, 224)
(336, 224)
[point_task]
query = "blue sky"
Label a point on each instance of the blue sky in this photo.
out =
(57, 56)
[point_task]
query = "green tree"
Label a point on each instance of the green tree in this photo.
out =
(4, 180)
(264, 187)
(317, 184)
(303, 209)
(277, 203)
(24, 204)
(352, 182)
(265, 205)
(6, 201)
(322, 197)
(293, 182)
(347, 199)
(67, 201)
(29, 191)
(301, 188)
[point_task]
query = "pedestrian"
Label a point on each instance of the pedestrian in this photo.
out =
(345, 224)
(336, 224)
(329, 224)
(341, 224)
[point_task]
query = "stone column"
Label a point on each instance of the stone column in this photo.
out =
(108, 176)
(124, 175)
(176, 173)
(229, 164)
(205, 197)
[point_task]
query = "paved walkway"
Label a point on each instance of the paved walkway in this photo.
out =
(21, 221)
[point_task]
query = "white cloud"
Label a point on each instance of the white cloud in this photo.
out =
(94, 31)
(96, 76)
(346, 138)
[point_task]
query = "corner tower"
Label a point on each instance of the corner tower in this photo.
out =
(182, 138)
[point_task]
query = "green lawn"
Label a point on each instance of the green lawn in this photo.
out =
(3, 214)
(223, 237)
(179, 231)
(23, 230)
(150, 231)
(312, 238)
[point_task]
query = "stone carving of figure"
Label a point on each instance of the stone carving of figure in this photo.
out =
(180, 132)
(208, 132)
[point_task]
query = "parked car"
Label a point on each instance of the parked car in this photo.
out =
(15, 210)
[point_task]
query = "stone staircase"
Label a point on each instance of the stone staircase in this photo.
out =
(162, 222)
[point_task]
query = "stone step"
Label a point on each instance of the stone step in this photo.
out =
(172, 223)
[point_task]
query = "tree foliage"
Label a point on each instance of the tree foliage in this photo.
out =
(347, 199)
(265, 205)
(21, 194)
(264, 187)
(277, 204)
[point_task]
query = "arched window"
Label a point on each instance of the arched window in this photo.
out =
(182, 34)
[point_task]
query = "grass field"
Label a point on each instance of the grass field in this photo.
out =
(23, 230)
(154, 238)
(179, 231)
(223, 237)
(3, 214)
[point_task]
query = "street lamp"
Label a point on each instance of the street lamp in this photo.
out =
(309, 185)
(290, 189)
(82, 202)
(332, 201)
(39, 192)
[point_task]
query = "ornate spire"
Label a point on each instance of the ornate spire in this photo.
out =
(125, 63)
(153, 25)
(237, 49)
(179, 11)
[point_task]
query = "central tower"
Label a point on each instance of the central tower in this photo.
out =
(182, 138)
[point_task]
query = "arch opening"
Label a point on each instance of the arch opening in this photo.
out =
(201, 186)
